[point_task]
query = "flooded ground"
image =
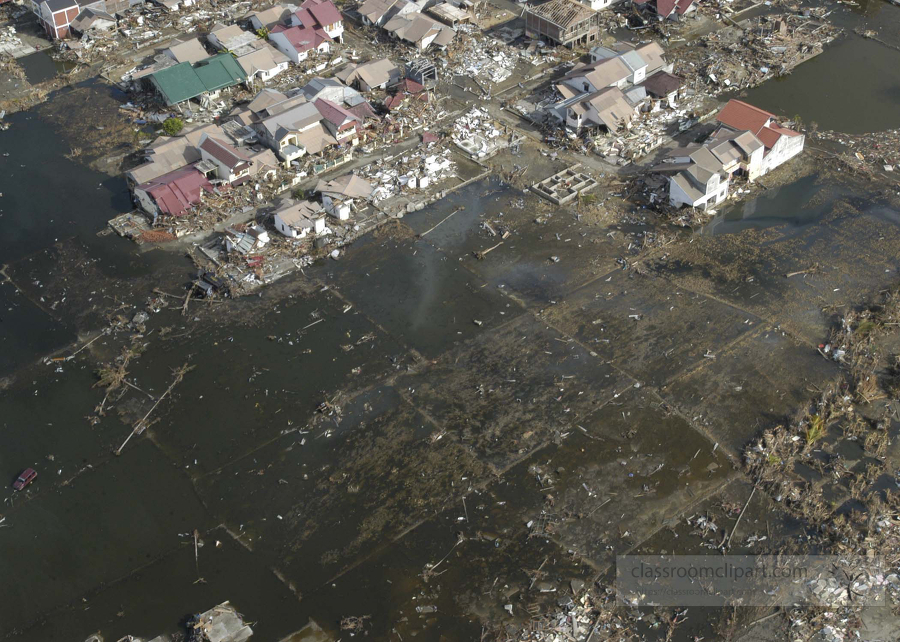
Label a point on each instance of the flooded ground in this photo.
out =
(411, 433)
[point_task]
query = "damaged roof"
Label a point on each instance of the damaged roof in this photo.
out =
(174, 193)
(563, 13)
(346, 186)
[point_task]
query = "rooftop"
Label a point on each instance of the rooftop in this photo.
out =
(563, 13)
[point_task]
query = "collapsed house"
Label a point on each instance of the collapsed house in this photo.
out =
(343, 195)
(608, 92)
(564, 22)
(173, 193)
(419, 30)
(375, 74)
(297, 219)
(453, 14)
(92, 20)
(379, 12)
(748, 143)
(265, 20)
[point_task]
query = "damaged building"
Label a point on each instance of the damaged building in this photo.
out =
(564, 22)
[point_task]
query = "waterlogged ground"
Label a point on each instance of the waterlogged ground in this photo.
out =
(494, 431)
(496, 428)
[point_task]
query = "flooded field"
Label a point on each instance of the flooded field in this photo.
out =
(438, 443)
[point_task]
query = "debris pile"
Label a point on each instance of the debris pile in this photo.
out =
(479, 136)
(411, 171)
(735, 58)
(878, 151)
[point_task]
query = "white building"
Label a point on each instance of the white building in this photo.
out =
(781, 144)
(297, 219)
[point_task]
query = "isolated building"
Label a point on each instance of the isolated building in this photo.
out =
(342, 195)
(781, 144)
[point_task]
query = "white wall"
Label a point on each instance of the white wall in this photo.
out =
(281, 43)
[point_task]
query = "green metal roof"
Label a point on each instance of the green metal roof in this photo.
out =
(185, 81)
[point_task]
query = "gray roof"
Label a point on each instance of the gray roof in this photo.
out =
(292, 120)
(633, 59)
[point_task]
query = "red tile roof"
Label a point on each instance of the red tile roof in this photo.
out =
(323, 11)
(303, 39)
(394, 101)
(226, 154)
(333, 112)
(306, 18)
(176, 191)
(410, 86)
(743, 117)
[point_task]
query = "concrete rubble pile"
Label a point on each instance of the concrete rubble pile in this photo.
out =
(9, 41)
(490, 58)
(412, 171)
(737, 58)
(477, 134)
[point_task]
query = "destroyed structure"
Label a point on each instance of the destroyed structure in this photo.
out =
(564, 22)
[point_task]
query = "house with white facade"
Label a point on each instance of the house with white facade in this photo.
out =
(298, 219)
(261, 61)
(298, 42)
(343, 195)
(222, 161)
(781, 144)
(747, 143)
(609, 91)
(319, 14)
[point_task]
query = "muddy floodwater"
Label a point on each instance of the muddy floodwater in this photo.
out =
(409, 433)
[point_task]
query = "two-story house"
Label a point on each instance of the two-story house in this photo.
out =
(230, 164)
(781, 144)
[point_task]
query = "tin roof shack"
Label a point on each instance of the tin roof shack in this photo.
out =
(341, 196)
(173, 193)
(297, 219)
(204, 79)
(221, 624)
(564, 22)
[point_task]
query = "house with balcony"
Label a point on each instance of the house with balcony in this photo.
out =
(340, 122)
(222, 161)
(319, 14)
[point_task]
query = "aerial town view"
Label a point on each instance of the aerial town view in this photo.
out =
(452, 320)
